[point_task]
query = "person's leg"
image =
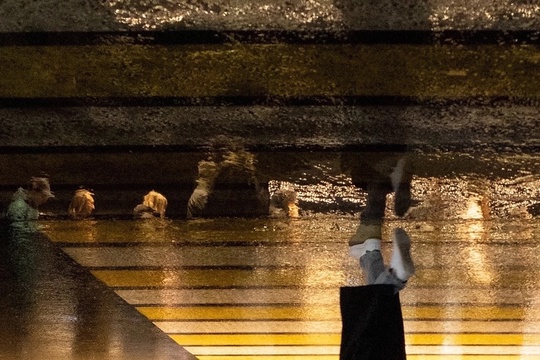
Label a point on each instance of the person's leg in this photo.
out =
(373, 214)
(368, 254)
(372, 217)
(371, 261)
(388, 277)
(401, 178)
(401, 264)
(372, 265)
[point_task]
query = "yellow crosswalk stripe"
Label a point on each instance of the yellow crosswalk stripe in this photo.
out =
(240, 313)
(170, 278)
(278, 254)
(442, 351)
(460, 357)
(331, 312)
(335, 338)
(336, 357)
(271, 357)
(472, 339)
(412, 326)
(259, 339)
(212, 277)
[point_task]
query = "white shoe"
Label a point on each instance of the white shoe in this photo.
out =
(401, 263)
(359, 250)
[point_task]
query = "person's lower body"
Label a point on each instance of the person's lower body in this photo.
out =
(400, 268)
(372, 217)
(372, 321)
(371, 314)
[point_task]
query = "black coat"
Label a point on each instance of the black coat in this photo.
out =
(372, 323)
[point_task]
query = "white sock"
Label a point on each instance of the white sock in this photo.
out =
(358, 250)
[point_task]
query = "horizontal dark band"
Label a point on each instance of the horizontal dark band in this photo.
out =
(273, 148)
(473, 37)
(56, 102)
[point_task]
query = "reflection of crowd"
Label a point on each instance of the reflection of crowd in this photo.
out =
(26, 202)
(228, 184)
(154, 204)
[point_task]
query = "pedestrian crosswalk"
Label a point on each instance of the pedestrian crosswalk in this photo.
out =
(269, 289)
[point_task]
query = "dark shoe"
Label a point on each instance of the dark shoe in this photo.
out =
(364, 232)
(401, 182)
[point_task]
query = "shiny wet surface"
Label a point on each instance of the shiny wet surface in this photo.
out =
(269, 288)
(52, 308)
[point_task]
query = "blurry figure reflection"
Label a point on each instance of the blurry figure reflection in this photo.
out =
(283, 203)
(82, 204)
(25, 202)
(228, 185)
(371, 314)
(154, 205)
(379, 174)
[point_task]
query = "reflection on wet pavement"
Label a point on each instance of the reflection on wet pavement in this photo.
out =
(246, 110)
(269, 288)
(54, 309)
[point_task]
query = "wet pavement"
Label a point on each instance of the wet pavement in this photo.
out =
(52, 308)
(268, 287)
(127, 96)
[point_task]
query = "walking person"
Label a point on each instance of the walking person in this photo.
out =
(371, 314)
(372, 321)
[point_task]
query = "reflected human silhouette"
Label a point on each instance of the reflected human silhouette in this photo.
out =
(379, 174)
(284, 202)
(82, 204)
(229, 184)
(154, 204)
(25, 202)
(371, 314)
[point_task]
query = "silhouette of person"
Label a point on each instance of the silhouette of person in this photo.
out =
(371, 315)
(25, 202)
(228, 184)
(372, 322)
(379, 174)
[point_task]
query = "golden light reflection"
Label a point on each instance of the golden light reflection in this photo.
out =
(320, 13)
(473, 209)
(480, 270)
(237, 14)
